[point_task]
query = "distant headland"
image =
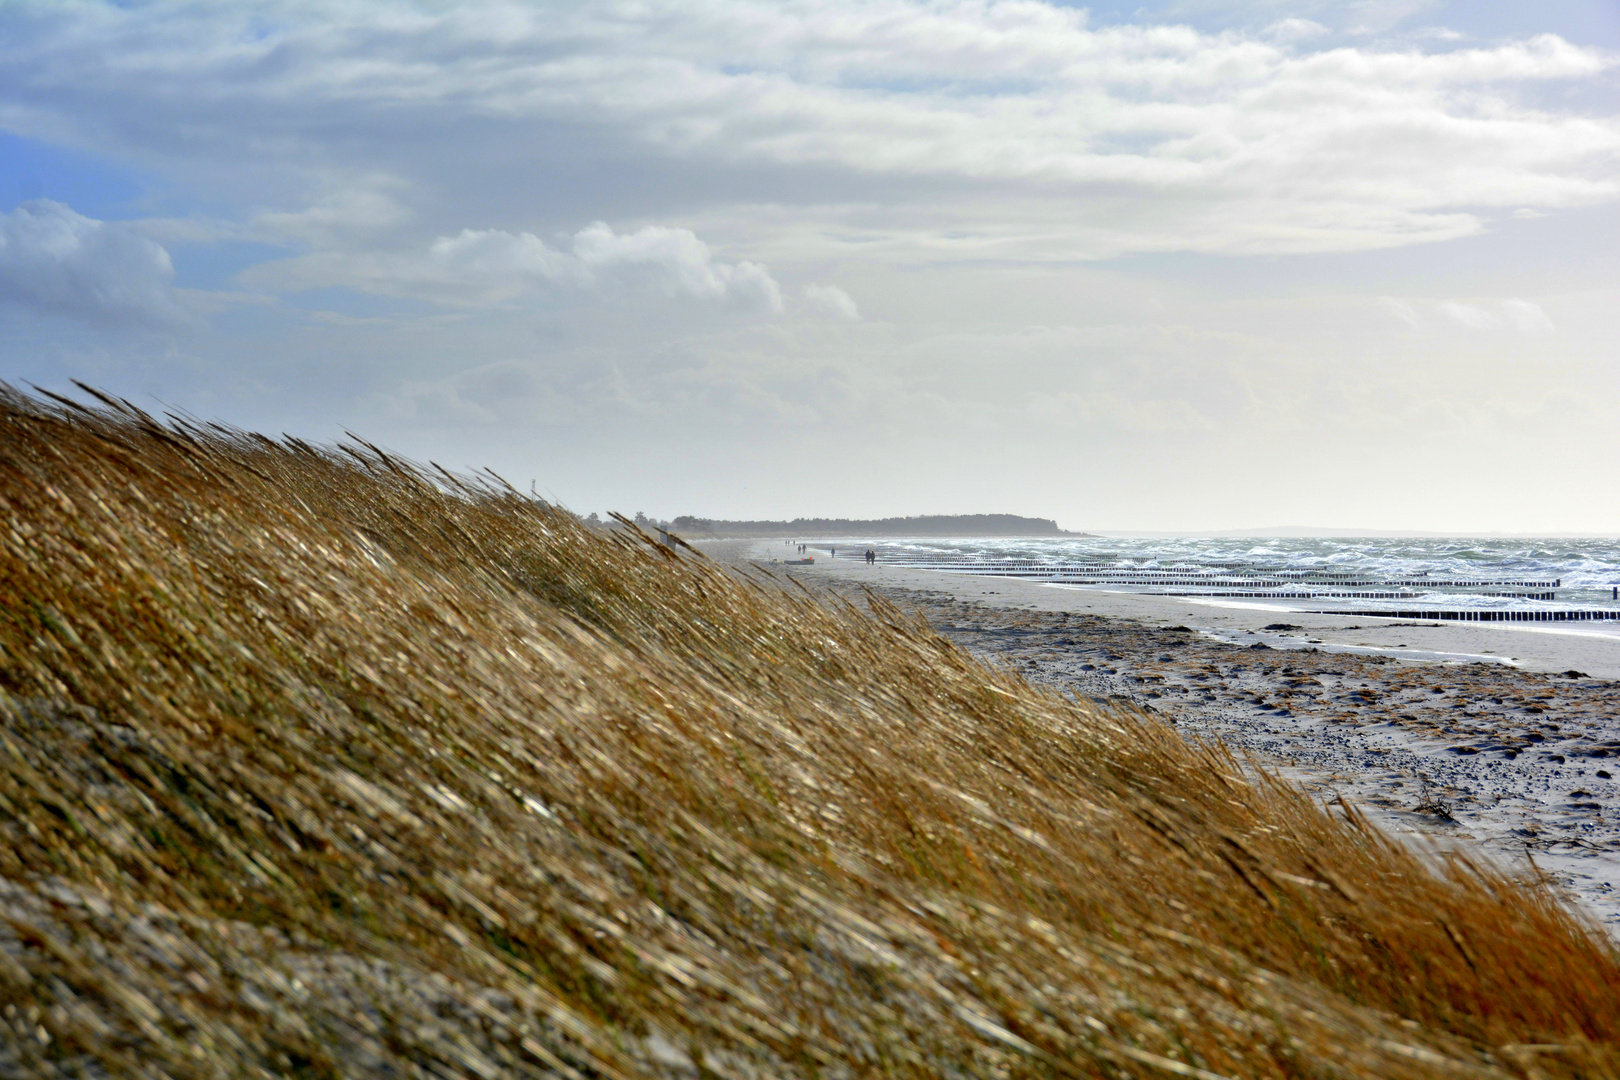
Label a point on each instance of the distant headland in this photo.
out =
(923, 525)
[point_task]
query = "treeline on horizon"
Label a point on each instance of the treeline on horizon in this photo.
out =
(922, 525)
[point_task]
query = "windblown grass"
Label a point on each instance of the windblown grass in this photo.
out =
(316, 762)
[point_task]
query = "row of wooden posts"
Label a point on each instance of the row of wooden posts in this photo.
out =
(1484, 616)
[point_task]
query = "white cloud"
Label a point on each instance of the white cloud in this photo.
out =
(348, 206)
(831, 300)
(1401, 310)
(490, 266)
(1439, 33)
(58, 262)
(1377, 16)
(1472, 316)
(1157, 137)
(1526, 318)
(1291, 30)
(1520, 315)
(675, 258)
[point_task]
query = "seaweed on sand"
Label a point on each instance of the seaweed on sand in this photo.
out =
(317, 762)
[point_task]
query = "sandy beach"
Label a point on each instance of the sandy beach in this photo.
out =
(1489, 740)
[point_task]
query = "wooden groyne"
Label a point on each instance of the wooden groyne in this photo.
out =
(1484, 616)
(1273, 595)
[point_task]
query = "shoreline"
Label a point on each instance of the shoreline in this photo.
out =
(1465, 737)
(1536, 647)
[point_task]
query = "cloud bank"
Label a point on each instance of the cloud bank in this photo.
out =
(1524, 317)
(54, 261)
(916, 121)
(831, 300)
(489, 266)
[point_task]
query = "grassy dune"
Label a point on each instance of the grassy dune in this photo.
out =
(315, 762)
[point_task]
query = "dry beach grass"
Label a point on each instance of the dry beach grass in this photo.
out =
(1446, 751)
(315, 762)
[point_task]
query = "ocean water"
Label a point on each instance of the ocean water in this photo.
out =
(1404, 572)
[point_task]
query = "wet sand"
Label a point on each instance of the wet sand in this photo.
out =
(1486, 739)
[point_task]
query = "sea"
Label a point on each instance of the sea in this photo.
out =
(1506, 576)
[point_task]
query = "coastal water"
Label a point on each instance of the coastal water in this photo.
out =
(1434, 573)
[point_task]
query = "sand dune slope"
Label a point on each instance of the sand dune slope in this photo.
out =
(315, 762)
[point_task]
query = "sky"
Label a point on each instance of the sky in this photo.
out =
(1181, 266)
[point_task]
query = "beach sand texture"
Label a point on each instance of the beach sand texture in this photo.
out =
(314, 762)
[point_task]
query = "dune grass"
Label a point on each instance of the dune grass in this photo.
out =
(316, 762)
